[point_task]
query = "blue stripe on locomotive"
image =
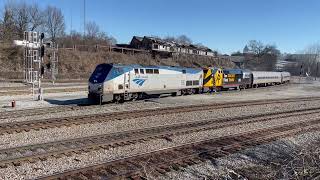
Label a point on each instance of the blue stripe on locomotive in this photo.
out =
(118, 70)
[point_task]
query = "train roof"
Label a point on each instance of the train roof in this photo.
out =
(232, 71)
(174, 68)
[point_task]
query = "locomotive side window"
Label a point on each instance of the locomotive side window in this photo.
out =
(136, 71)
(141, 71)
(149, 71)
(189, 83)
(184, 71)
(156, 71)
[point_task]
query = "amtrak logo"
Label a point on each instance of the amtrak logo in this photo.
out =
(139, 81)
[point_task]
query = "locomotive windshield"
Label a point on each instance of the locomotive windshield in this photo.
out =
(100, 73)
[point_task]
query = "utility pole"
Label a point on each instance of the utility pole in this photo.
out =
(317, 71)
(84, 18)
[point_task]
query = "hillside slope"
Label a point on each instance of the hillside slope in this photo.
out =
(79, 64)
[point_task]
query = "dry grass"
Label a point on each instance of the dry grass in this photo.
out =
(80, 64)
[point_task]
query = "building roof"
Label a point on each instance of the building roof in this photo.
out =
(138, 38)
(176, 44)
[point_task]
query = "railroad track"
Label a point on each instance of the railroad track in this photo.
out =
(24, 126)
(172, 158)
(33, 153)
(42, 111)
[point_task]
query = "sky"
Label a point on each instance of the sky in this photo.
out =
(223, 25)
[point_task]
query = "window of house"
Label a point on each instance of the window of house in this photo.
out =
(156, 46)
(156, 71)
(149, 71)
(141, 71)
(136, 71)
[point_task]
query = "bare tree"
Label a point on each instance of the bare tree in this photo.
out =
(311, 59)
(21, 18)
(54, 22)
(8, 25)
(36, 17)
(92, 30)
(183, 39)
(170, 39)
(256, 47)
(271, 49)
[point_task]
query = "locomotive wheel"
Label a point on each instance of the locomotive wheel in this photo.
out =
(118, 99)
(183, 92)
(135, 96)
(174, 94)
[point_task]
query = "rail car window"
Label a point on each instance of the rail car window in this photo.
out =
(149, 71)
(136, 71)
(156, 71)
(196, 83)
(141, 71)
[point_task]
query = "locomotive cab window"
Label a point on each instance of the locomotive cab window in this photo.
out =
(136, 71)
(156, 71)
(141, 71)
(184, 71)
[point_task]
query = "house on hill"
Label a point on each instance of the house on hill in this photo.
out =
(136, 42)
(158, 45)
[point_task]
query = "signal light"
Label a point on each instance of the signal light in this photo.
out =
(42, 51)
(42, 70)
(42, 36)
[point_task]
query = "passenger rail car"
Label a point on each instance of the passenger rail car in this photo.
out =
(111, 82)
(285, 77)
(265, 78)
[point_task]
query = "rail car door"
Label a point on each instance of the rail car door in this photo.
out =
(218, 76)
(184, 78)
(126, 81)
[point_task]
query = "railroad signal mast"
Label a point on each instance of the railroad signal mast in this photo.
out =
(33, 61)
(53, 60)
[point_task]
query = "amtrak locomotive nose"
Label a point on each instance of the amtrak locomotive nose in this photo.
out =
(101, 85)
(114, 82)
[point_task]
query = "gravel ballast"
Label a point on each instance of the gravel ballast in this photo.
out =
(27, 170)
(84, 130)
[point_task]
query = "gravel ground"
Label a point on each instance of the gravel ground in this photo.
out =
(252, 161)
(221, 167)
(51, 165)
(54, 134)
(129, 106)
